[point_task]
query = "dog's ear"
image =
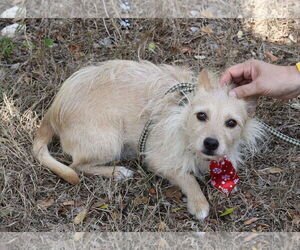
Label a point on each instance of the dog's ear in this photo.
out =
(203, 79)
(251, 104)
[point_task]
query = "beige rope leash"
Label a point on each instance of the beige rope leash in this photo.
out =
(281, 136)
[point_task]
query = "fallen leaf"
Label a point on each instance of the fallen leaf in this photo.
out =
(296, 220)
(219, 51)
(81, 216)
(27, 79)
(271, 56)
(162, 226)
(263, 225)
(270, 170)
(116, 215)
(173, 192)
(295, 217)
(99, 203)
(207, 30)
(46, 203)
(240, 34)
(174, 49)
(105, 206)
(78, 235)
(68, 203)
(177, 200)
(185, 49)
(259, 228)
(152, 191)
(228, 211)
(62, 210)
(250, 221)
(73, 47)
(151, 47)
(141, 200)
(176, 209)
(181, 216)
(79, 204)
(275, 170)
(40, 34)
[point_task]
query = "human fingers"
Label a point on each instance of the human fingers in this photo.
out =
(235, 73)
(245, 90)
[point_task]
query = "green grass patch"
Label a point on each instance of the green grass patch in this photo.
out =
(49, 42)
(7, 46)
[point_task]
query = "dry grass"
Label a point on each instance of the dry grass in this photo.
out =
(31, 76)
(163, 9)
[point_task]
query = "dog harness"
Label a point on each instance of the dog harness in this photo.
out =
(223, 174)
(183, 88)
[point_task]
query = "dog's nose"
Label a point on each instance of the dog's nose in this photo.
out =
(211, 143)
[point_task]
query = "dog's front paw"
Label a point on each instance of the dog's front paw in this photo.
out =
(198, 207)
(123, 173)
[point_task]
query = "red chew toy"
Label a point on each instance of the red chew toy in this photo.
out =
(223, 175)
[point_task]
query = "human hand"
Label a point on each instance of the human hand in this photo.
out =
(257, 78)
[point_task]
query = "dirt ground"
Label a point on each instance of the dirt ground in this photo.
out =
(34, 64)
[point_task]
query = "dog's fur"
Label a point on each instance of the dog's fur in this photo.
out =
(101, 110)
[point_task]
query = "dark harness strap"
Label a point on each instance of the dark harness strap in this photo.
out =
(183, 88)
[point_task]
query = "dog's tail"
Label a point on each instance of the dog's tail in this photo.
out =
(41, 152)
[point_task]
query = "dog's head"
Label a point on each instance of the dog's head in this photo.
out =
(218, 123)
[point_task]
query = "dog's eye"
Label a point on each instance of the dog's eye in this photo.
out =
(231, 123)
(201, 116)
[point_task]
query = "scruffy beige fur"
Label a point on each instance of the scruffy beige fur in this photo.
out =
(101, 110)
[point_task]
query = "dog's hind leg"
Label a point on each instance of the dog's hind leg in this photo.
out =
(117, 172)
(93, 147)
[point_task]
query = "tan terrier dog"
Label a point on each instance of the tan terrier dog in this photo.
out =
(101, 110)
